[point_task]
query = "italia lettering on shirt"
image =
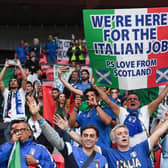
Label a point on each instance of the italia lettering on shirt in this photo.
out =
(133, 163)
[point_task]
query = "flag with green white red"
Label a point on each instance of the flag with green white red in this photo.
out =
(15, 159)
(128, 48)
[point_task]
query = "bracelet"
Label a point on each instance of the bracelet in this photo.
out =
(41, 120)
(67, 129)
(75, 110)
(97, 106)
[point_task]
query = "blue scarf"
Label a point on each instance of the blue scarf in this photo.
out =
(18, 103)
(133, 123)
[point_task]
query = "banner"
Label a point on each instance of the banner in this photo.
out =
(15, 158)
(128, 48)
(64, 44)
(48, 103)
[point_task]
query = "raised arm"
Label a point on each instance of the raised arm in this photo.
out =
(67, 85)
(2, 73)
(72, 119)
(51, 135)
(105, 118)
(154, 104)
(114, 107)
(159, 131)
(63, 125)
(24, 77)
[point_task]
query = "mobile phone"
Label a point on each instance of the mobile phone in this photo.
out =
(11, 62)
(84, 97)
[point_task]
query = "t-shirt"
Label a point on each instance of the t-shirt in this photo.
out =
(75, 158)
(136, 157)
(82, 86)
(17, 105)
(91, 117)
(144, 118)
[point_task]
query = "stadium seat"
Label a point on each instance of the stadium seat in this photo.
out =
(66, 62)
(59, 160)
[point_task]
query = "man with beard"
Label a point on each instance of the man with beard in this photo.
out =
(14, 98)
(84, 84)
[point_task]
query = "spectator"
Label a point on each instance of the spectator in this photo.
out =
(55, 94)
(83, 52)
(62, 110)
(135, 118)
(73, 80)
(114, 94)
(95, 115)
(32, 154)
(75, 157)
(36, 48)
(73, 53)
(20, 52)
(33, 67)
(51, 50)
(14, 98)
(85, 83)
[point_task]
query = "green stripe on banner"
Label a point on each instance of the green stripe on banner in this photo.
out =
(15, 159)
(103, 75)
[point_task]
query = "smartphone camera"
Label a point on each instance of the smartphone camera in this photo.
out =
(11, 62)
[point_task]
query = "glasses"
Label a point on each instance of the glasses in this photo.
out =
(20, 130)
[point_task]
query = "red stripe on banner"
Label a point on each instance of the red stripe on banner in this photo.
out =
(157, 10)
(161, 62)
(48, 103)
(162, 34)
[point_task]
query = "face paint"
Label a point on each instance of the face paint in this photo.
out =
(117, 138)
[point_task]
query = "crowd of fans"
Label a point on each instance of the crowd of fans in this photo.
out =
(111, 122)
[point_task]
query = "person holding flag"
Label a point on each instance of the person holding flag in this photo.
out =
(22, 151)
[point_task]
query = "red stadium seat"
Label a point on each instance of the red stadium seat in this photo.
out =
(62, 62)
(59, 160)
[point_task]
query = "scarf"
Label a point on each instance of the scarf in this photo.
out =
(18, 101)
(133, 122)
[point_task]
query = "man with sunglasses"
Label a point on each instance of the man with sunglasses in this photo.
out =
(31, 153)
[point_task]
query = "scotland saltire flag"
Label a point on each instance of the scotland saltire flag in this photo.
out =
(103, 77)
(162, 75)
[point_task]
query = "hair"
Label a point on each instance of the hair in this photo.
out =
(123, 100)
(92, 127)
(28, 82)
(116, 127)
(85, 70)
(20, 121)
(55, 89)
(91, 90)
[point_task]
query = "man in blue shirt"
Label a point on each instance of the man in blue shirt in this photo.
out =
(84, 83)
(51, 49)
(95, 115)
(20, 52)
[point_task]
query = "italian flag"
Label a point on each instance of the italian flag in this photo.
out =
(15, 159)
(128, 48)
